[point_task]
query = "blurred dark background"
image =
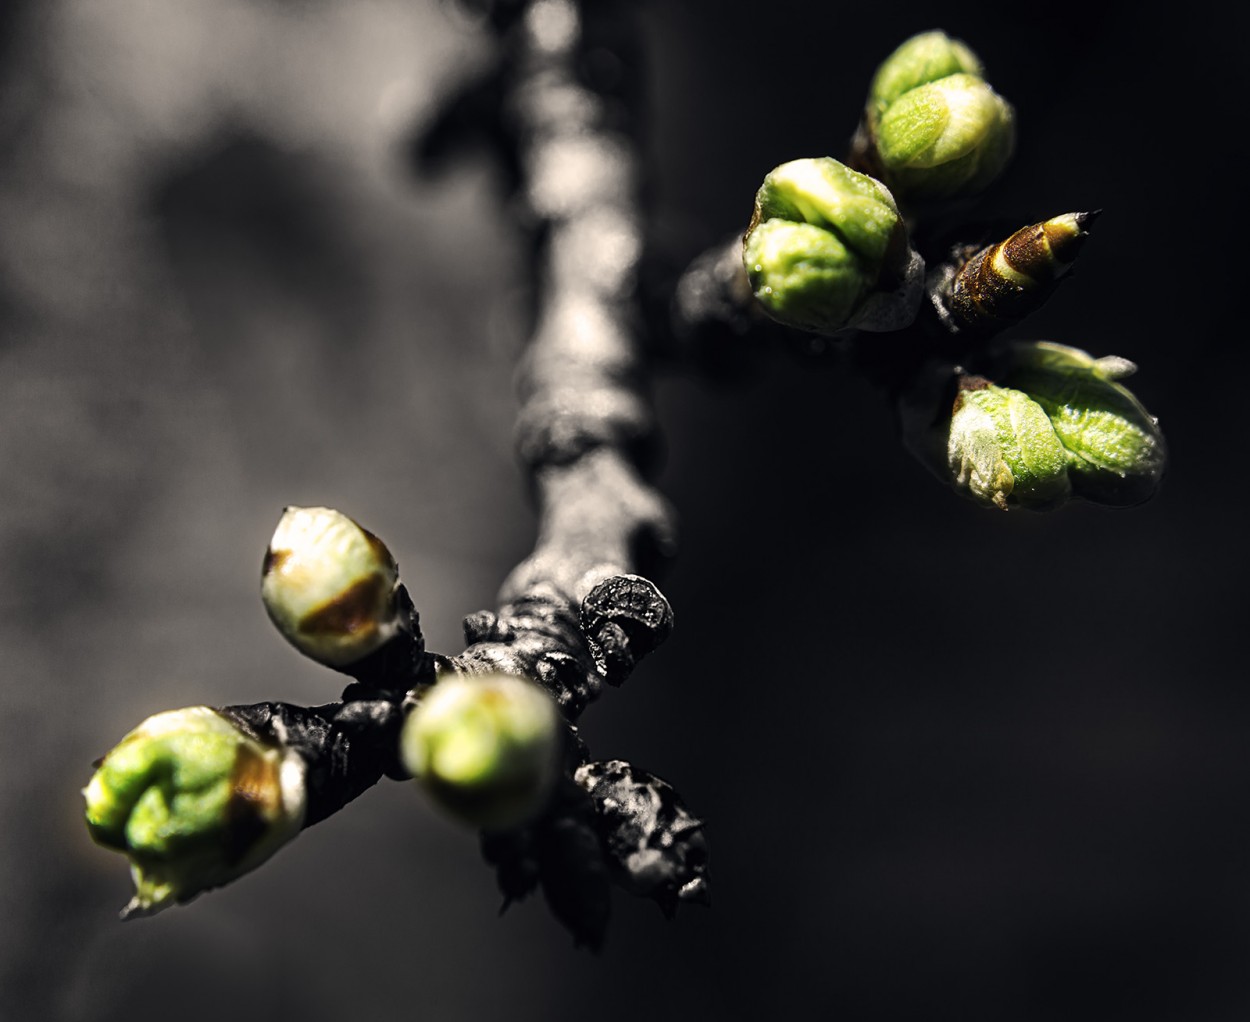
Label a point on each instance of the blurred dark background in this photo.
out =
(956, 764)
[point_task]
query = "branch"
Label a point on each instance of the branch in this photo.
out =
(574, 613)
(196, 797)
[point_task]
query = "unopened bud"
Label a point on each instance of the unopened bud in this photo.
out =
(823, 243)
(329, 586)
(936, 129)
(485, 747)
(193, 802)
(921, 59)
(1117, 452)
(1003, 283)
(1003, 450)
(1061, 424)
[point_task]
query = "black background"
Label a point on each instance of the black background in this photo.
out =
(956, 764)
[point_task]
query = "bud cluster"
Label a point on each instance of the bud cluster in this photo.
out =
(828, 250)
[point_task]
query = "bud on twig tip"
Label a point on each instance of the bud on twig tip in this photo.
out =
(193, 802)
(330, 586)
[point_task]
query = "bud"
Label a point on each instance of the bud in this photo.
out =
(194, 803)
(486, 747)
(1003, 450)
(1117, 454)
(329, 586)
(826, 245)
(936, 129)
(1003, 283)
(922, 59)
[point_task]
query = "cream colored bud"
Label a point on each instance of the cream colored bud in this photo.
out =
(329, 586)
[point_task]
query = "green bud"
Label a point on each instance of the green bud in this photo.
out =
(329, 586)
(949, 137)
(922, 59)
(194, 803)
(1116, 451)
(826, 244)
(485, 747)
(1003, 450)
(803, 275)
(936, 129)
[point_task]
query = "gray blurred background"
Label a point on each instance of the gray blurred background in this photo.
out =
(958, 765)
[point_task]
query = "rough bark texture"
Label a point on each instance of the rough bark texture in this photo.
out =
(586, 427)
(573, 613)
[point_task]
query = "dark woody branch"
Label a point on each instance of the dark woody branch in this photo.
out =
(573, 615)
(586, 431)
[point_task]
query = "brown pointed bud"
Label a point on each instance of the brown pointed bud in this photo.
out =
(1002, 283)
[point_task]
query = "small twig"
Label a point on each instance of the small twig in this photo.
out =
(574, 614)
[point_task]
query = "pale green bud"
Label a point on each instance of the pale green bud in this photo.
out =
(1003, 450)
(946, 138)
(936, 129)
(486, 747)
(1117, 454)
(825, 242)
(194, 803)
(922, 59)
(329, 586)
(803, 276)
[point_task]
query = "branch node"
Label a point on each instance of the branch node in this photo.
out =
(624, 618)
(568, 680)
(654, 846)
(485, 626)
